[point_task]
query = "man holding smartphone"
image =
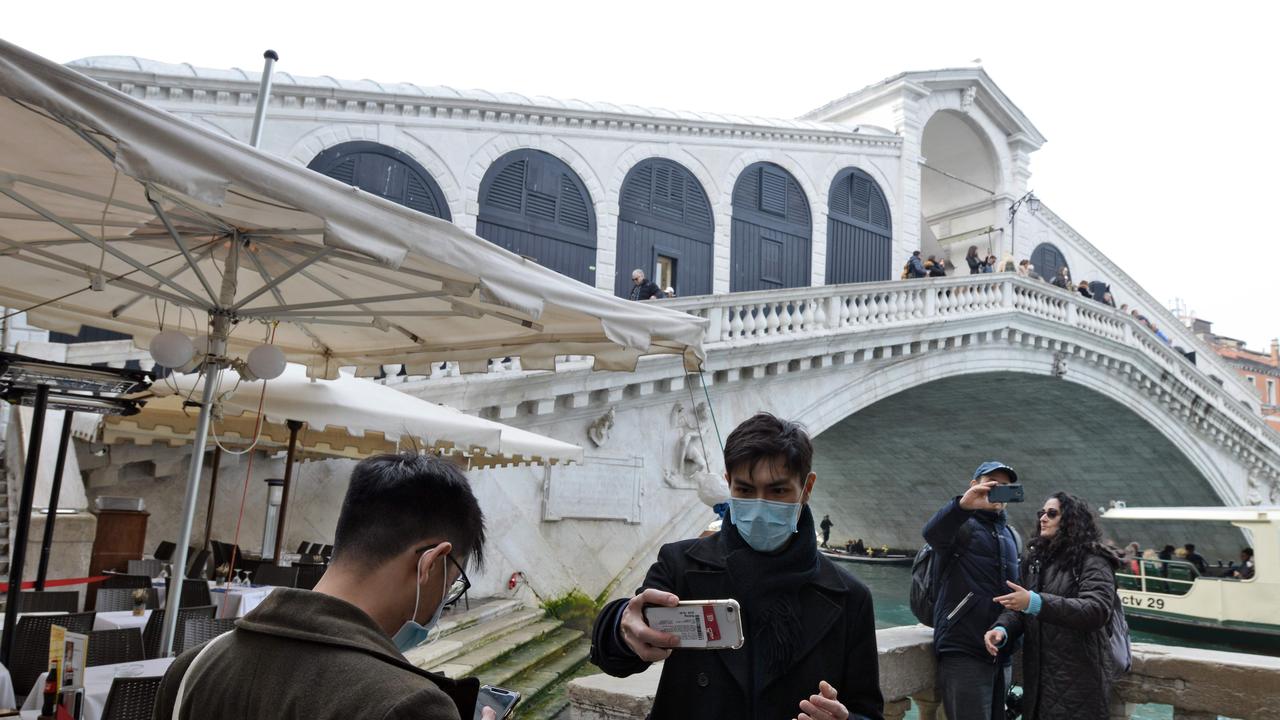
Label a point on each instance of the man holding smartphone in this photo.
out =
(810, 637)
(976, 554)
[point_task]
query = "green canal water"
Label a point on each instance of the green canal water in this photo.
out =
(891, 585)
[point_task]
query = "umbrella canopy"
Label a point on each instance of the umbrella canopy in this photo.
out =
(346, 418)
(167, 222)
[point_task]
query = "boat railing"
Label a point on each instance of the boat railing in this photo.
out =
(1171, 577)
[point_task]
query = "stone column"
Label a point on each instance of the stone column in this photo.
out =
(929, 705)
(1121, 710)
(896, 709)
(1179, 714)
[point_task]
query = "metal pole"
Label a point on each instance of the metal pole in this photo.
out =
(55, 492)
(294, 427)
(18, 553)
(213, 489)
(264, 95)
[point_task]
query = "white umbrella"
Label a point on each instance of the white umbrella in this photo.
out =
(120, 215)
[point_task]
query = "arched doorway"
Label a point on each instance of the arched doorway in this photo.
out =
(385, 172)
(1048, 259)
(533, 204)
(859, 232)
(958, 186)
(771, 237)
(665, 228)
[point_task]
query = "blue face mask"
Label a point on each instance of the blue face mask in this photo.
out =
(766, 525)
(412, 633)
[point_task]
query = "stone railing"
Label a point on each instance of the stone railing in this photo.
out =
(1199, 684)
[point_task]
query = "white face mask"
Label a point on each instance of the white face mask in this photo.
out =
(412, 633)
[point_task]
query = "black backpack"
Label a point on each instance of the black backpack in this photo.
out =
(925, 582)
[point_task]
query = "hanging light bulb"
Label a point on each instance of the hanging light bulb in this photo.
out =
(266, 362)
(171, 349)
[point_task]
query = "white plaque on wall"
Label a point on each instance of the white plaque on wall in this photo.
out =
(602, 488)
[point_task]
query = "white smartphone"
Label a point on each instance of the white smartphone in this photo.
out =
(700, 624)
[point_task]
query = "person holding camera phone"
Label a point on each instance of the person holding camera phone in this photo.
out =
(977, 554)
(809, 650)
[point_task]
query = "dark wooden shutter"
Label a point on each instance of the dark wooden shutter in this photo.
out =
(663, 211)
(859, 237)
(385, 172)
(771, 231)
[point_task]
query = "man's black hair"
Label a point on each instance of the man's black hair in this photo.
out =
(766, 437)
(1248, 550)
(394, 502)
(1189, 547)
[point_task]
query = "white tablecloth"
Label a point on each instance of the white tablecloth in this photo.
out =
(7, 699)
(237, 600)
(120, 619)
(97, 684)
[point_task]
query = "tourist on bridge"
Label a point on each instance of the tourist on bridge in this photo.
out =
(915, 267)
(643, 288)
(935, 267)
(809, 625)
(990, 265)
(977, 554)
(1083, 289)
(975, 262)
(1062, 615)
(1063, 278)
(408, 525)
(826, 526)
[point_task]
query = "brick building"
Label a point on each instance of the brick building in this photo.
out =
(1260, 370)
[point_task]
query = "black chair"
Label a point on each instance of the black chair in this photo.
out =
(29, 655)
(108, 647)
(308, 575)
(124, 580)
(302, 547)
(195, 592)
(164, 551)
(276, 575)
(113, 599)
(312, 549)
(131, 698)
(155, 626)
(199, 631)
(199, 567)
(67, 601)
(326, 552)
(150, 567)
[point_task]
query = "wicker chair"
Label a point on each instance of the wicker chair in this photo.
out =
(155, 625)
(195, 592)
(131, 698)
(302, 547)
(150, 567)
(276, 575)
(164, 551)
(108, 647)
(126, 580)
(199, 567)
(67, 601)
(199, 631)
(308, 575)
(29, 655)
(114, 599)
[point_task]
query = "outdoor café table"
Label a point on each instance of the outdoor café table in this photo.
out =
(120, 620)
(237, 600)
(97, 683)
(7, 699)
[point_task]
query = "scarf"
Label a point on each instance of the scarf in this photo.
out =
(767, 585)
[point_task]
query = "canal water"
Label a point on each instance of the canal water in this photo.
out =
(890, 586)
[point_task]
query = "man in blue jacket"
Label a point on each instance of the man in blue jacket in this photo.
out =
(976, 554)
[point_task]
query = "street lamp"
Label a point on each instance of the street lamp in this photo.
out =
(43, 385)
(1033, 204)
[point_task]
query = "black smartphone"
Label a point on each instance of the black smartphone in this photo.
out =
(1006, 493)
(502, 700)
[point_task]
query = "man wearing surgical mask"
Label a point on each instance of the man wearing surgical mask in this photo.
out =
(408, 527)
(810, 650)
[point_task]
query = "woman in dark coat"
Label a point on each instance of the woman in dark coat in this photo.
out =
(975, 262)
(1062, 615)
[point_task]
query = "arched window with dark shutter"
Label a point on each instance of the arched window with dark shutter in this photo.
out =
(771, 236)
(385, 172)
(1048, 260)
(859, 230)
(533, 204)
(664, 228)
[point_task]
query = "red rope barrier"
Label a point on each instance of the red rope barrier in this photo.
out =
(30, 584)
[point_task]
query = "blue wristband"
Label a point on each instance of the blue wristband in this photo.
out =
(1036, 602)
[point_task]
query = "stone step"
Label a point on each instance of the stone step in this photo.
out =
(529, 657)
(480, 611)
(469, 662)
(472, 636)
(543, 688)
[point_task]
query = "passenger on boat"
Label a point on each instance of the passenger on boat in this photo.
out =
(1196, 558)
(1245, 570)
(1062, 614)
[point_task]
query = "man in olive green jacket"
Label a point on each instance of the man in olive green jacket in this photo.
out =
(408, 526)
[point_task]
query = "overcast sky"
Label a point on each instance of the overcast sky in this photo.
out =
(1160, 116)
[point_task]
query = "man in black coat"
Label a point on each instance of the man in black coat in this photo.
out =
(642, 288)
(977, 554)
(810, 647)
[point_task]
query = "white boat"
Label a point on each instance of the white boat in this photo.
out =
(1170, 597)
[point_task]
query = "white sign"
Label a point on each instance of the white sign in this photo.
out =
(602, 488)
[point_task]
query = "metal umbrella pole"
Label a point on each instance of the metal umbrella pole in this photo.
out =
(18, 553)
(213, 493)
(55, 492)
(294, 427)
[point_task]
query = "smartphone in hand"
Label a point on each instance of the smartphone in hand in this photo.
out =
(700, 624)
(1010, 493)
(502, 700)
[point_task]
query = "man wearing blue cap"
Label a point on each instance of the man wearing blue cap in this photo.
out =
(977, 553)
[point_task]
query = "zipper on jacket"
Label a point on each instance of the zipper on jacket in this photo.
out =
(959, 605)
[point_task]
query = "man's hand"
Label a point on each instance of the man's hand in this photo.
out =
(993, 639)
(1019, 599)
(649, 644)
(488, 713)
(823, 706)
(975, 498)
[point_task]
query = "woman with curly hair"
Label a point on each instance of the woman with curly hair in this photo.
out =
(1062, 615)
